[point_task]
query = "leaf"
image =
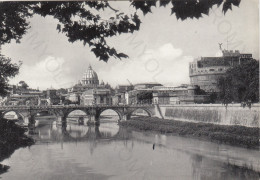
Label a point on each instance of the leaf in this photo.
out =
(226, 6)
(58, 27)
(122, 55)
(144, 6)
(236, 2)
(164, 2)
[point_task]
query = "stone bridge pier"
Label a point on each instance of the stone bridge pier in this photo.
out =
(93, 117)
(61, 120)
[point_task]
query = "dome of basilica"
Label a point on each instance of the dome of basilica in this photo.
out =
(90, 77)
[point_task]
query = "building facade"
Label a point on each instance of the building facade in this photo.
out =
(141, 93)
(27, 99)
(123, 88)
(146, 85)
(206, 71)
(139, 96)
(23, 96)
(96, 96)
(184, 94)
(118, 97)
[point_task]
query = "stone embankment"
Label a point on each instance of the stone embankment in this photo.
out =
(233, 114)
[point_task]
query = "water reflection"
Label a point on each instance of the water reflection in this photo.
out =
(202, 169)
(76, 130)
(108, 151)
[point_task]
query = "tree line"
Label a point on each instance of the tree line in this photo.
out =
(240, 83)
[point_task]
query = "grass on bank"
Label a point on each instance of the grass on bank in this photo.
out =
(233, 135)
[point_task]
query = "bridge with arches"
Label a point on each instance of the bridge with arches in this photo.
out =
(28, 113)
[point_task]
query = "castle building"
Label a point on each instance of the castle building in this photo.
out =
(206, 71)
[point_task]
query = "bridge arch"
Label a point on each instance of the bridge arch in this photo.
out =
(66, 115)
(44, 111)
(149, 113)
(18, 114)
(120, 115)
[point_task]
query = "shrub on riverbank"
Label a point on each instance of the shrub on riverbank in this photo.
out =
(12, 137)
(233, 135)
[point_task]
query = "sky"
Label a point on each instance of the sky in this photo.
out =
(159, 52)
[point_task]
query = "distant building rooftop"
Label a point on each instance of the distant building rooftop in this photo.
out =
(148, 85)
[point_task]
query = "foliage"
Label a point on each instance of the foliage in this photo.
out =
(13, 21)
(108, 86)
(7, 70)
(184, 9)
(11, 138)
(199, 91)
(77, 20)
(67, 102)
(241, 83)
(213, 96)
(81, 21)
(145, 97)
(23, 84)
(62, 91)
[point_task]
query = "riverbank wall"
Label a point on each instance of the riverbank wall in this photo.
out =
(234, 114)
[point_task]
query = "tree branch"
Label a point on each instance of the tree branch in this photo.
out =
(108, 5)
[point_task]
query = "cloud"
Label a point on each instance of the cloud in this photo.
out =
(165, 65)
(44, 74)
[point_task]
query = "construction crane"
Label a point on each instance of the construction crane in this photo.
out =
(220, 46)
(130, 83)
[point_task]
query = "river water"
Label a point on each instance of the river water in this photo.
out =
(111, 152)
